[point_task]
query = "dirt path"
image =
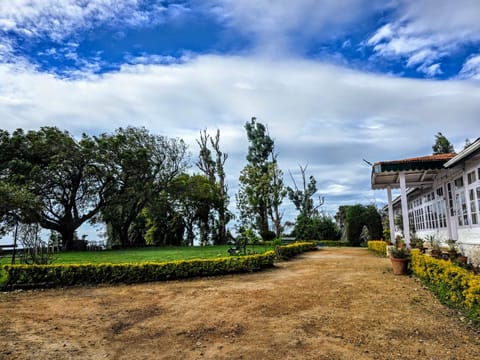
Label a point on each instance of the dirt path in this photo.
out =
(329, 304)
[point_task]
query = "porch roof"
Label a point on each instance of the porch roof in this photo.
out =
(419, 171)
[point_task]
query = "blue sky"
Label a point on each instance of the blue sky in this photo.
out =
(337, 81)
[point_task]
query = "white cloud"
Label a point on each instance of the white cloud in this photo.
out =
(58, 20)
(327, 116)
(424, 31)
(471, 68)
(277, 26)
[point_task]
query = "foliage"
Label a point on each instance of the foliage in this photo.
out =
(379, 247)
(261, 186)
(358, 216)
(214, 170)
(145, 254)
(302, 199)
(316, 228)
(17, 204)
(141, 165)
(452, 284)
(442, 145)
(15, 276)
(60, 172)
(333, 243)
(287, 251)
(399, 253)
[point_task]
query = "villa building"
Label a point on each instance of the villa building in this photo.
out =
(439, 195)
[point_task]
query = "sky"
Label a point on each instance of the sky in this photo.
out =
(335, 81)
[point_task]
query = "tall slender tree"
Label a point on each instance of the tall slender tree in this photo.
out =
(261, 186)
(212, 165)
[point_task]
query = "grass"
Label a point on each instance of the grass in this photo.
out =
(150, 254)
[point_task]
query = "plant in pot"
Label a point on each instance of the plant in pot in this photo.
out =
(416, 243)
(452, 249)
(400, 258)
(435, 250)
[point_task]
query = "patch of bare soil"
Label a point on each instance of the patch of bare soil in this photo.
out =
(329, 304)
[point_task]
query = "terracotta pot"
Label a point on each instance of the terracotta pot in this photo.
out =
(436, 253)
(400, 266)
(462, 259)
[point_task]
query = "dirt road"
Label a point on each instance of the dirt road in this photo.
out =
(328, 304)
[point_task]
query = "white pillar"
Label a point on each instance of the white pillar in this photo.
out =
(390, 216)
(403, 197)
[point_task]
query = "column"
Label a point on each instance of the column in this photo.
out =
(403, 197)
(391, 220)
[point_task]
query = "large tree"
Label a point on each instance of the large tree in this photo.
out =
(63, 175)
(260, 180)
(442, 145)
(141, 164)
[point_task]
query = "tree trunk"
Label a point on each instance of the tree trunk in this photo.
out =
(67, 238)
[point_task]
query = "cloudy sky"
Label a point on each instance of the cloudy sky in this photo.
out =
(337, 81)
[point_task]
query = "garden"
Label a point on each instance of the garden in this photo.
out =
(335, 303)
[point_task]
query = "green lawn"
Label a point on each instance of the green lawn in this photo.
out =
(143, 254)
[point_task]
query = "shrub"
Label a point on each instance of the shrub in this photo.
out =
(14, 276)
(333, 243)
(287, 251)
(379, 247)
(24, 276)
(452, 284)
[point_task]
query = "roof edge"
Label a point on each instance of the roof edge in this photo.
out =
(463, 154)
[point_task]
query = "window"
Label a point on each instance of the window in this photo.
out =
(471, 177)
(473, 207)
(459, 182)
(461, 208)
(440, 192)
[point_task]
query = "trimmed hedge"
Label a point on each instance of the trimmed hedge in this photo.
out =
(452, 284)
(287, 251)
(379, 247)
(37, 276)
(15, 276)
(334, 243)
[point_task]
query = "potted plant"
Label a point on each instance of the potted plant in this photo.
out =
(452, 249)
(400, 258)
(435, 250)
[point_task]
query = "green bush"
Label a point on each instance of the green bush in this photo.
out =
(16, 276)
(288, 251)
(35, 276)
(333, 243)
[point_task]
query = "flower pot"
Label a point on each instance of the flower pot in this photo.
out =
(400, 266)
(462, 259)
(436, 253)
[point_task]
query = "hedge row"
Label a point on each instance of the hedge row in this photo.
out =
(291, 250)
(15, 276)
(35, 276)
(379, 247)
(333, 243)
(453, 285)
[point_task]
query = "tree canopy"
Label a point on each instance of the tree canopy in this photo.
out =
(442, 145)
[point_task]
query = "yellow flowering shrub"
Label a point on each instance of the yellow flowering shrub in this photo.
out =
(379, 247)
(451, 283)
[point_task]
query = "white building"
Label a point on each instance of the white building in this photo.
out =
(439, 195)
